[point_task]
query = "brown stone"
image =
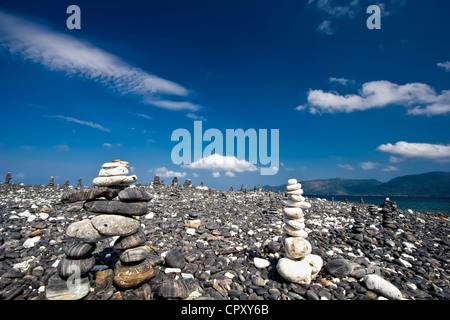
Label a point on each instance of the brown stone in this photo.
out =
(104, 278)
(129, 276)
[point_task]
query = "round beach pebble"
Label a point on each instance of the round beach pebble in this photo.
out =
(297, 224)
(292, 181)
(295, 232)
(294, 271)
(134, 194)
(116, 207)
(135, 255)
(78, 267)
(129, 276)
(115, 225)
(84, 231)
(115, 164)
(114, 181)
(296, 247)
(116, 171)
(80, 250)
(293, 213)
(292, 187)
(60, 289)
(125, 242)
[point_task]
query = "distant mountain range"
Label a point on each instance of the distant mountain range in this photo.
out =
(432, 184)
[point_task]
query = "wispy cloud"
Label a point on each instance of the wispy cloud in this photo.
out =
(173, 105)
(341, 81)
(444, 65)
(141, 115)
(345, 166)
(110, 145)
(63, 53)
(405, 149)
(418, 98)
(82, 122)
(336, 11)
(369, 165)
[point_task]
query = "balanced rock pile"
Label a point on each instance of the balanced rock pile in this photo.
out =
(115, 219)
(388, 209)
(299, 265)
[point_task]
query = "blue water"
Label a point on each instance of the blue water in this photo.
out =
(425, 204)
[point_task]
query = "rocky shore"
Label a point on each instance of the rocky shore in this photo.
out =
(225, 245)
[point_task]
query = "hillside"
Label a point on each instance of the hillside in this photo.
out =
(432, 184)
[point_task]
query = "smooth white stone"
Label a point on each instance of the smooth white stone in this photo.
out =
(172, 270)
(294, 204)
(315, 262)
(114, 180)
(292, 181)
(296, 247)
(117, 171)
(297, 224)
(297, 198)
(381, 286)
(294, 271)
(261, 263)
(115, 163)
(293, 213)
(190, 231)
(294, 232)
(31, 242)
(293, 187)
(295, 192)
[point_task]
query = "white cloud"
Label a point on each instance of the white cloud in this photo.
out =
(395, 159)
(417, 150)
(348, 9)
(63, 53)
(217, 162)
(444, 65)
(341, 81)
(390, 168)
(419, 98)
(110, 145)
(326, 28)
(164, 172)
(173, 105)
(82, 122)
(369, 165)
(216, 174)
(345, 166)
(338, 11)
(230, 174)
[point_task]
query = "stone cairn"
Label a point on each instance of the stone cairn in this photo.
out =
(156, 181)
(358, 225)
(388, 209)
(299, 265)
(114, 219)
(51, 182)
(174, 182)
(8, 177)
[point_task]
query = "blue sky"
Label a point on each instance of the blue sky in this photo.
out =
(348, 101)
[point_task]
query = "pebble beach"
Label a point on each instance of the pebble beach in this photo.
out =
(207, 244)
